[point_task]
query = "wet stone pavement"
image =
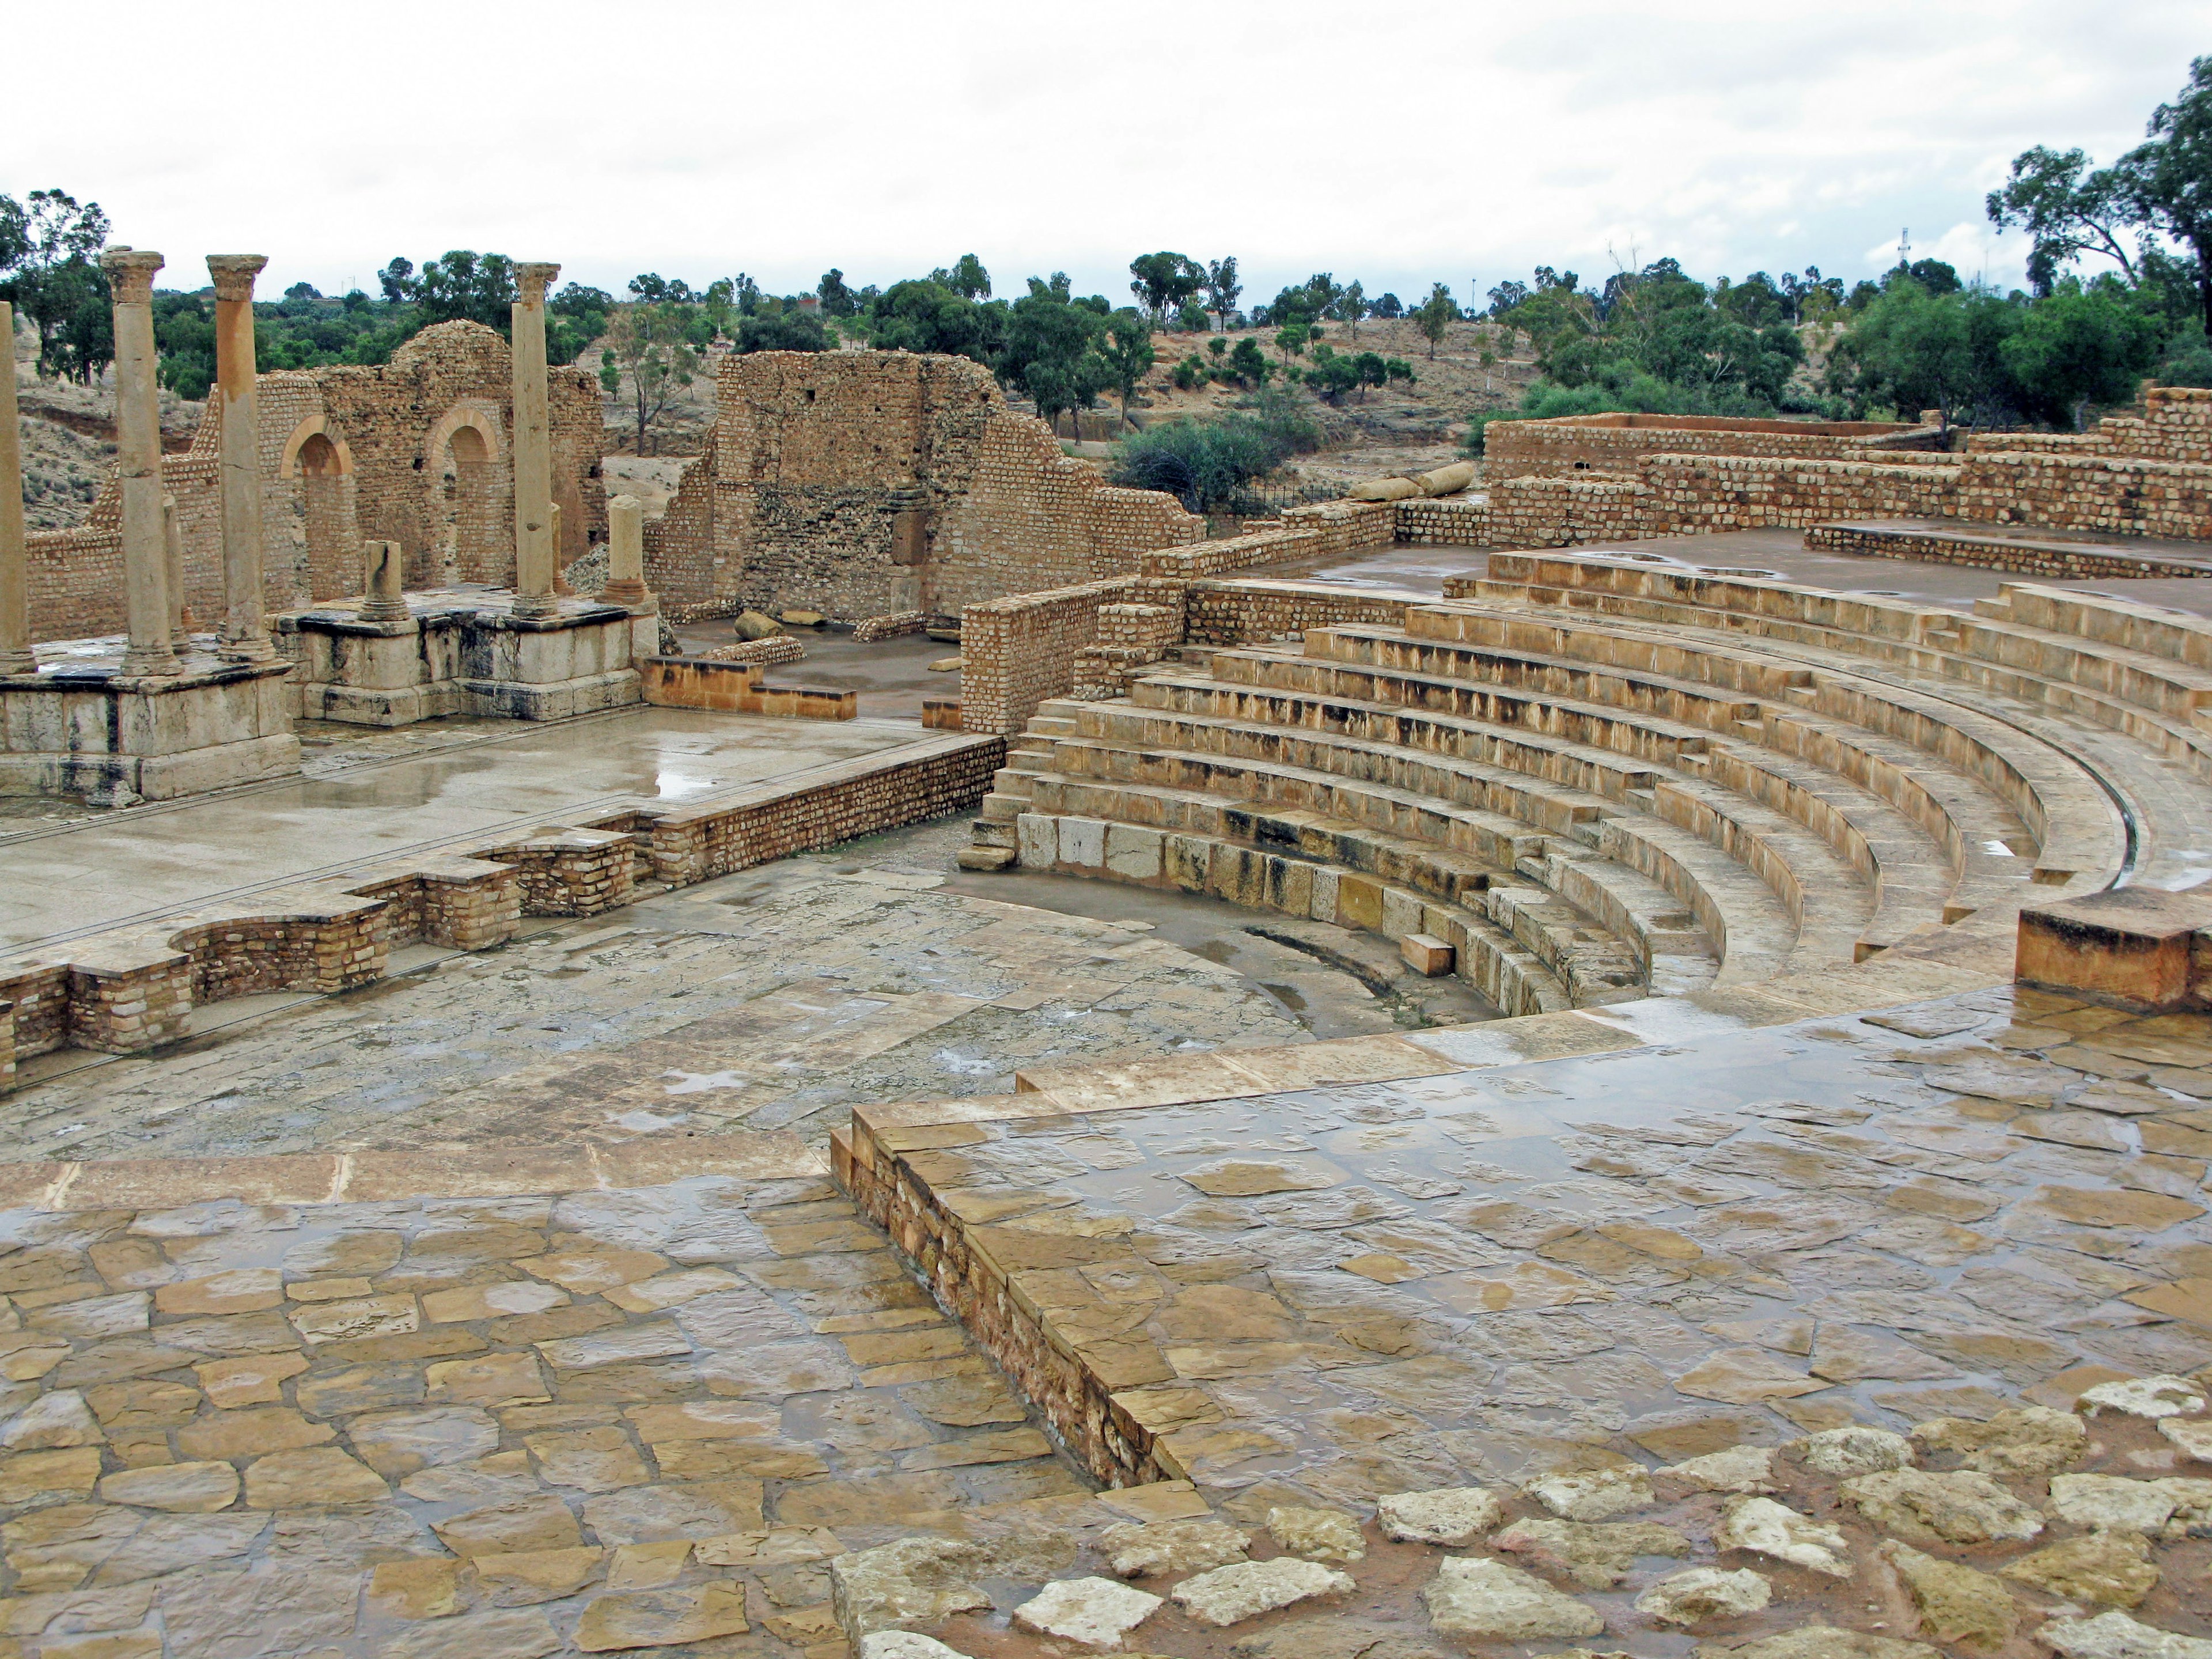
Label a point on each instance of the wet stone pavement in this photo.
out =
(1964, 1213)
(484, 1428)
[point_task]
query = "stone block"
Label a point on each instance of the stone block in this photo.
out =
(2131, 947)
(1083, 842)
(1039, 840)
(1134, 852)
(1426, 954)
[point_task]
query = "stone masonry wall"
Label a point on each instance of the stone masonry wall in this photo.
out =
(1616, 443)
(349, 453)
(865, 484)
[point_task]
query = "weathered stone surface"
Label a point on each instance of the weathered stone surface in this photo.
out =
(1821, 1642)
(1454, 1517)
(52, 1422)
(515, 1633)
(1245, 1590)
(1318, 1535)
(1955, 1603)
(2193, 1434)
(2113, 1503)
(1765, 1528)
(1703, 1594)
(1478, 1599)
(394, 1444)
(2024, 1442)
(906, 1644)
(256, 1615)
(1961, 1507)
(1097, 1612)
(1856, 1450)
(422, 1589)
(314, 1476)
(1595, 1554)
(186, 1488)
(1333, 1636)
(2145, 1396)
(528, 1576)
(1592, 1494)
(1745, 1376)
(2103, 1569)
(541, 1522)
(662, 1617)
(2113, 1635)
(1738, 1468)
(1163, 1547)
(913, 1581)
(1234, 1179)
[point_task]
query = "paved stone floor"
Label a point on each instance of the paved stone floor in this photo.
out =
(378, 794)
(774, 997)
(1953, 1210)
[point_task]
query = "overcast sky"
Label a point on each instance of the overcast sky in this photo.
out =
(1400, 144)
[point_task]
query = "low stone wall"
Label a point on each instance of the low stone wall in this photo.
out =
(1241, 612)
(1609, 443)
(975, 1272)
(331, 949)
(1019, 651)
(2066, 561)
(133, 989)
(736, 688)
(854, 798)
(871, 629)
(776, 648)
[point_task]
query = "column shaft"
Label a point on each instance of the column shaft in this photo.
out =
(138, 462)
(533, 449)
(245, 628)
(626, 556)
(15, 656)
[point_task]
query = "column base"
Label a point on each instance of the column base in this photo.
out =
(89, 727)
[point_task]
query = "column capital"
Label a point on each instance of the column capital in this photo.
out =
(130, 273)
(532, 278)
(234, 274)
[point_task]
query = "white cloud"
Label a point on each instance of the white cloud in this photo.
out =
(1427, 139)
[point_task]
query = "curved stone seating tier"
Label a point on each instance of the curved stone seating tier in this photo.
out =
(2082, 833)
(1625, 786)
(1489, 958)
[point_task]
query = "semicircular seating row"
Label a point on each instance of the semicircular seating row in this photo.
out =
(1600, 779)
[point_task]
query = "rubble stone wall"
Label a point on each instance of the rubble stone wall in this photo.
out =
(1615, 443)
(866, 483)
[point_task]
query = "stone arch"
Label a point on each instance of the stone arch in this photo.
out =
(466, 472)
(315, 426)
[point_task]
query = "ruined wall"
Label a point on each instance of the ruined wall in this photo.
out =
(861, 483)
(1617, 443)
(413, 451)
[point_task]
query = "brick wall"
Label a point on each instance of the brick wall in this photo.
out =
(1018, 652)
(1233, 612)
(1615, 443)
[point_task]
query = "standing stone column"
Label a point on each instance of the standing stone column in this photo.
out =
(245, 631)
(173, 573)
(533, 449)
(15, 656)
(626, 557)
(138, 461)
(382, 599)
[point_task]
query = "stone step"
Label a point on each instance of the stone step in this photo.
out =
(1511, 975)
(1752, 932)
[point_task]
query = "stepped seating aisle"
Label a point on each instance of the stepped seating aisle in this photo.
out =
(1597, 779)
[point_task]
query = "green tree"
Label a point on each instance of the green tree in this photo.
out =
(2167, 181)
(1222, 290)
(1163, 281)
(1051, 348)
(924, 315)
(651, 346)
(1128, 352)
(49, 247)
(574, 316)
(1248, 365)
(2067, 207)
(1436, 314)
(1292, 338)
(781, 330)
(1912, 349)
(462, 286)
(838, 299)
(2078, 347)
(1350, 307)
(967, 278)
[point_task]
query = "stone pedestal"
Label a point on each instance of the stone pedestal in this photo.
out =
(461, 653)
(91, 728)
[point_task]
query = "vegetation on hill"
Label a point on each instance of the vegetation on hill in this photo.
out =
(1208, 464)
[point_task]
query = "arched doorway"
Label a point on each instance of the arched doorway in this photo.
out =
(329, 538)
(470, 539)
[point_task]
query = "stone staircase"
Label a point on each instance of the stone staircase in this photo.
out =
(1597, 780)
